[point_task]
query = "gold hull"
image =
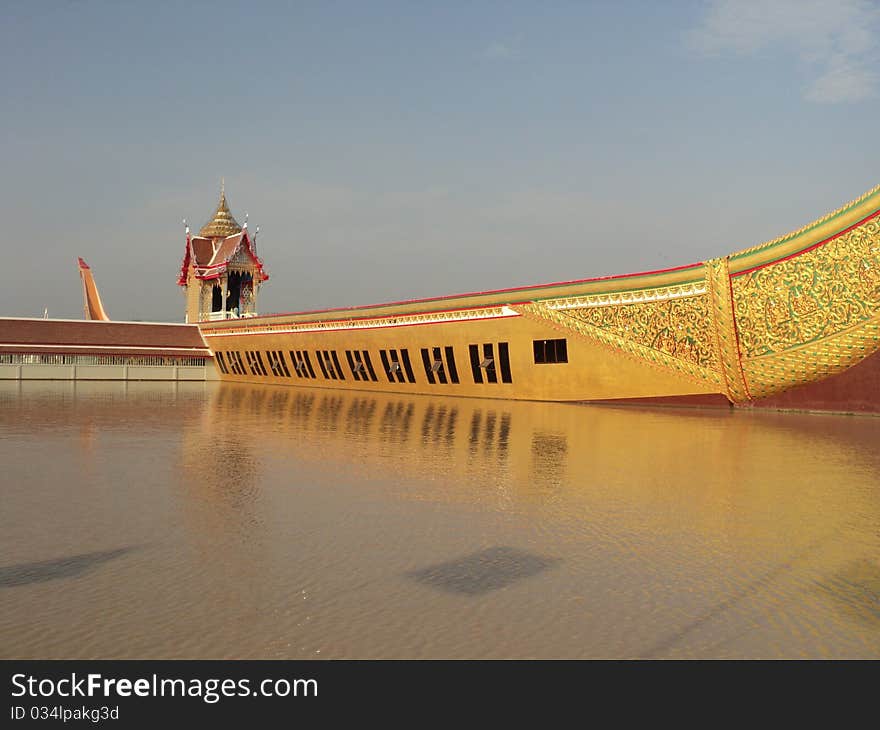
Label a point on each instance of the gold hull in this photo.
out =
(791, 311)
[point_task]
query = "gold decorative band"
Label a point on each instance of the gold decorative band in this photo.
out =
(356, 324)
(639, 296)
(724, 327)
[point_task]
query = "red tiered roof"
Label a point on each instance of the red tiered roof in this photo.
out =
(219, 240)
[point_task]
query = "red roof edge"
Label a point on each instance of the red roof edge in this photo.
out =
(181, 280)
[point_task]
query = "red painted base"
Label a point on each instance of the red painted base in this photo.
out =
(856, 390)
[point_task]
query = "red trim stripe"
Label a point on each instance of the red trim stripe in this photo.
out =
(476, 294)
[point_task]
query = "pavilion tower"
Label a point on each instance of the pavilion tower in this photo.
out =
(221, 272)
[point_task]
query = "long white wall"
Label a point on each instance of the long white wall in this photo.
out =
(107, 372)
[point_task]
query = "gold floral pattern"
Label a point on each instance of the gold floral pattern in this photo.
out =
(810, 316)
(811, 296)
(677, 327)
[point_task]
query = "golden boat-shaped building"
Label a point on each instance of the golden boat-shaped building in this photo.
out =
(792, 311)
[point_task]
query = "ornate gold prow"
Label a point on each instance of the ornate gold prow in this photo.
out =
(724, 329)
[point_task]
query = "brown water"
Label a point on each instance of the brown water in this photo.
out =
(210, 521)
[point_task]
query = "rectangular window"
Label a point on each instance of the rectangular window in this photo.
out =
(360, 365)
(336, 363)
(302, 365)
(252, 362)
(426, 361)
(369, 364)
(550, 351)
(407, 365)
(283, 364)
(488, 363)
(357, 368)
(260, 365)
(321, 363)
(273, 363)
(450, 364)
(504, 362)
(396, 369)
(396, 364)
(328, 365)
(392, 366)
(475, 363)
(308, 364)
(277, 364)
(437, 365)
(303, 359)
(386, 366)
(299, 365)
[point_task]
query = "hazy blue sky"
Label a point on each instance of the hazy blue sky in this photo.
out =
(400, 149)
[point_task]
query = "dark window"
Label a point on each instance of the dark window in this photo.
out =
(369, 364)
(550, 351)
(302, 364)
(360, 365)
(488, 363)
(336, 363)
(475, 363)
(395, 372)
(283, 364)
(260, 362)
(273, 363)
(450, 364)
(308, 364)
(252, 362)
(323, 367)
(504, 362)
(328, 363)
(357, 368)
(298, 365)
(221, 363)
(407, 366)
(426, 361)
(386, 366)
(396, 365)
(437, 366)
(277, 364)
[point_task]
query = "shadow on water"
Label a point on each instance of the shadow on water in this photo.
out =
(856, 589)
(485, 571)
(72, 566)
(752, 588)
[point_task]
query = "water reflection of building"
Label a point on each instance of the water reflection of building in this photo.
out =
(358, 423)
(719, 473)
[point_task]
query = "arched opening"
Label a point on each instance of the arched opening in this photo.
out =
(233, 296)
(216, 299)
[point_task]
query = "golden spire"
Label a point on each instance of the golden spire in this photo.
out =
(222, 223)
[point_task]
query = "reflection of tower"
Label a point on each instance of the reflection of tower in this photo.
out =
(221, 271)
(220, 497)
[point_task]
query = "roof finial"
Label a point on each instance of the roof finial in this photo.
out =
(222, 187)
